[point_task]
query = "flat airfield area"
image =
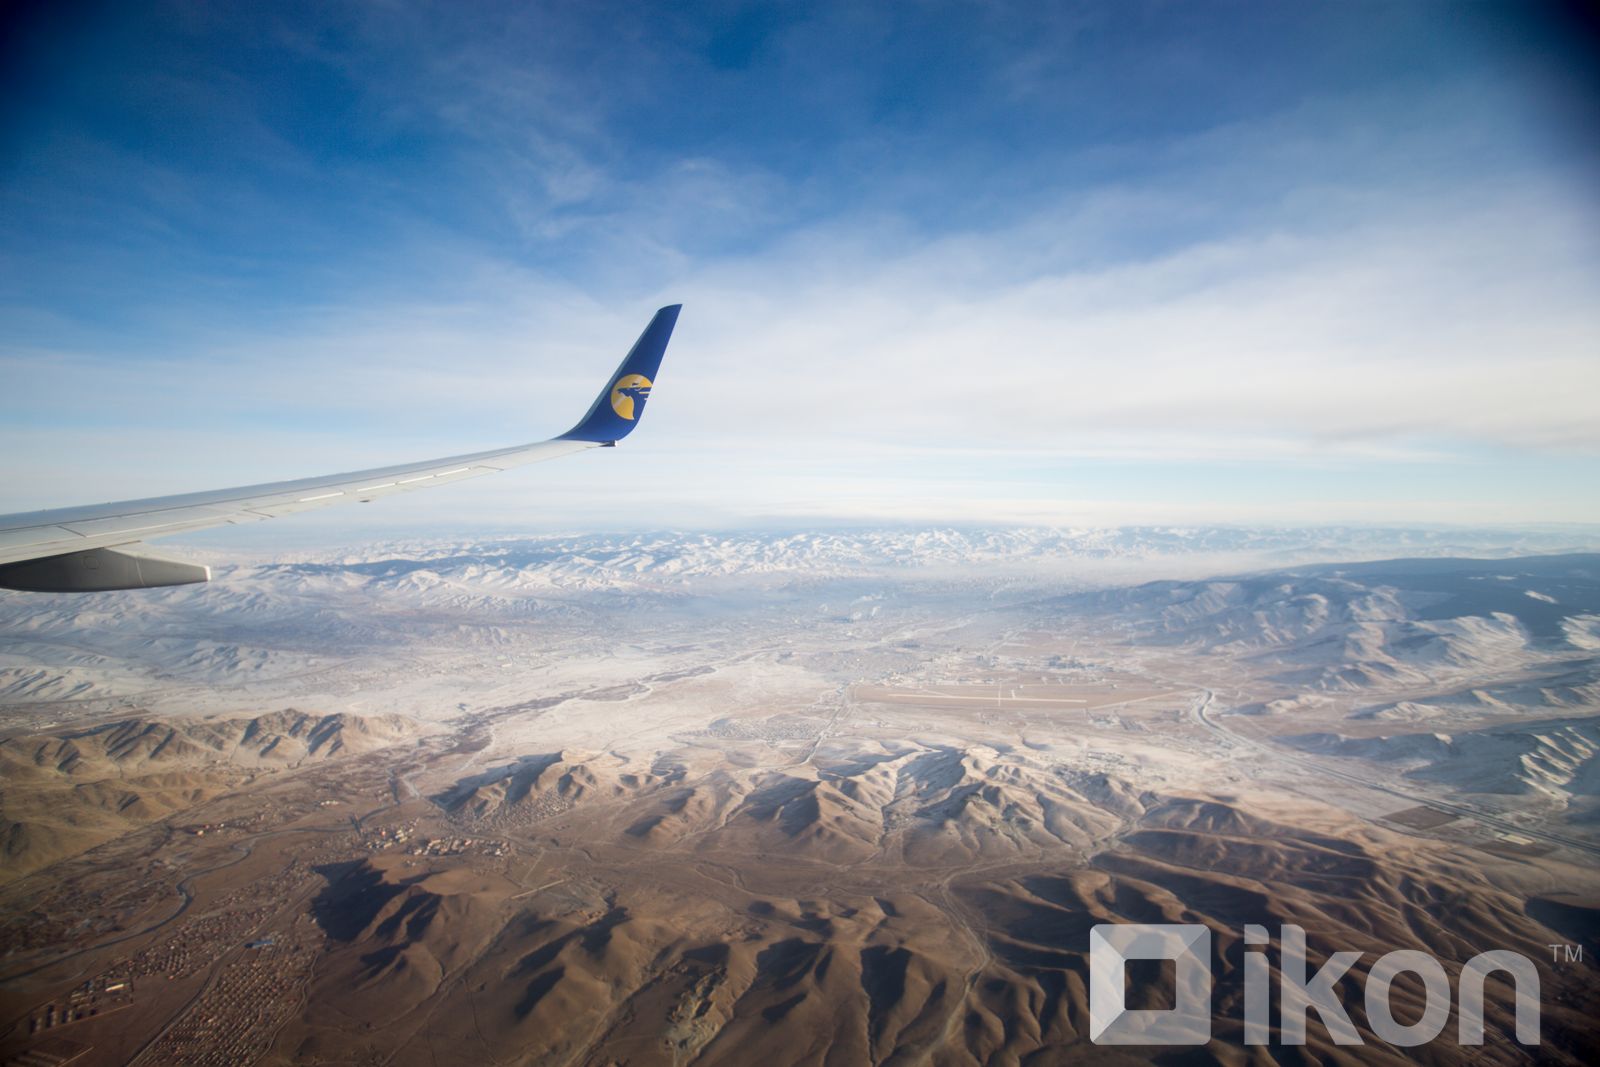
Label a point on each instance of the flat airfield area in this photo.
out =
(1038, 696)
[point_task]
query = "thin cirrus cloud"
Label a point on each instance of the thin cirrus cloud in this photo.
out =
(1047, 269)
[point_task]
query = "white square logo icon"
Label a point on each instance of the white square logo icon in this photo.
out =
(1187, 1022)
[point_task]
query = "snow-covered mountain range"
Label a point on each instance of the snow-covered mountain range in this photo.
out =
(579, 560)
(403, 609)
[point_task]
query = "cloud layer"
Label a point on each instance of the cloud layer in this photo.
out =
(970, 265)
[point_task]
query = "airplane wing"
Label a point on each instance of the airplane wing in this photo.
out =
(95, 548)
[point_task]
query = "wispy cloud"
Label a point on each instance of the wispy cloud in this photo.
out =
(1343, 287)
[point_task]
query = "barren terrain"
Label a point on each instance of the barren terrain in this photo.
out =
(802, 807)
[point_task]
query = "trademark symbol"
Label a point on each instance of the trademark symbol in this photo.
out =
(1565, 953)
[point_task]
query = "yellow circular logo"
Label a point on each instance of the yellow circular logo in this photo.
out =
(629, 394)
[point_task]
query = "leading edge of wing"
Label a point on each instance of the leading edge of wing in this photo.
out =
(615, 412)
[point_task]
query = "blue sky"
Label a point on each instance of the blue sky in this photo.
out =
(1077, 264)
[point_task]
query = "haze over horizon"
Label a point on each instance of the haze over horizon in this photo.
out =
(984, 263)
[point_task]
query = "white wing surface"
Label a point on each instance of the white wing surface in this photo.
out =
(98, 547)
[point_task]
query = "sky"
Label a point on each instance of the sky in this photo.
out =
(1066, 264)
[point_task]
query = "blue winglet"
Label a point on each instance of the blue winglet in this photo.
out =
(617, 409)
